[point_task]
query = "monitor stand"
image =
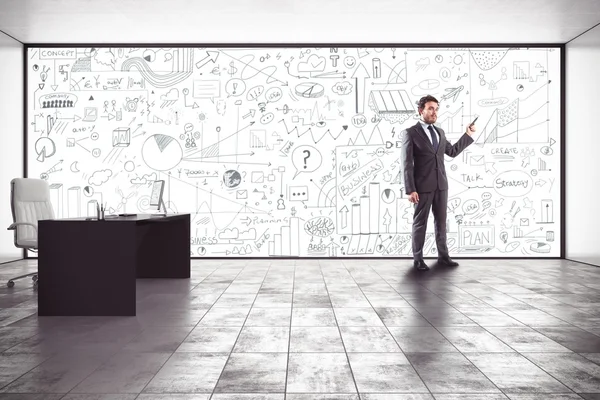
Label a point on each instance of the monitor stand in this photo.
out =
(161, 204)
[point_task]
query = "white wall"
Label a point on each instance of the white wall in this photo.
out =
(11, 136)
(582, 141)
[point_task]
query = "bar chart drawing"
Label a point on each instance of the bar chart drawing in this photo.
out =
(521, 70)
(362, 244)
(365, 216)
(517, 232)
(362, 195)
(56, 197)
(258, 138)
(74, 202)
(92, 207)
(286, 243)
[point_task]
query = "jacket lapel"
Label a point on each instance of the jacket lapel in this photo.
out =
(442, 144)
(423, 135)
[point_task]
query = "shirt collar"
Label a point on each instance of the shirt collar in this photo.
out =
(425, 125)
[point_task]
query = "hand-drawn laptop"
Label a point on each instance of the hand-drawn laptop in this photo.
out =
(90, 114)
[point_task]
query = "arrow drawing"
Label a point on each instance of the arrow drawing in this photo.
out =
(210, 56)
(251, 113)
(361, 74)
(344, 212)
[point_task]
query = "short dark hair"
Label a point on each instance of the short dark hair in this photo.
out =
(426, 99)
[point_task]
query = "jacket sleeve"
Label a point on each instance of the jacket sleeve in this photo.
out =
(408, 163)
(462, 143)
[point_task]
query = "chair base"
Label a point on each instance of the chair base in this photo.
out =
(34, 278)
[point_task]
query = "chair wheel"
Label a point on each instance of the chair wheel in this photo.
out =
(10, 284)
(34, 278)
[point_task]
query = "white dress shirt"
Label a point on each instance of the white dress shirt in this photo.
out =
(425, 125)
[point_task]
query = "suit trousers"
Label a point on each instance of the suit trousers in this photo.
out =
(436, 201)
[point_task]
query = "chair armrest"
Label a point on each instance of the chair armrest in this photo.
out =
(14, 226)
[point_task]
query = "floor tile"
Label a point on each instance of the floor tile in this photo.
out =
(319, 373)
(401, 317)
(573, 338)
(368, 339)
(357, 317)
(525, 339)
(574, 371)
(123, 373)
(450, 373)
(188, 373)
(513, 373)
(316, 339)
(424, 339)
(385, 373)
(269, 317)
(313, 317)
(253, 372)
(263, 340)
(473, 339)
(210, 340)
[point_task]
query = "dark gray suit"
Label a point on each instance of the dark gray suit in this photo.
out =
(425, 173)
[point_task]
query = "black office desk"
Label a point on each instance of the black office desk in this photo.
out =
(89, 267)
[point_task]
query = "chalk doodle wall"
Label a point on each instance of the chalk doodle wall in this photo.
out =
(296, 151)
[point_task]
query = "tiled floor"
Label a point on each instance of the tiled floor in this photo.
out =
(310, 329)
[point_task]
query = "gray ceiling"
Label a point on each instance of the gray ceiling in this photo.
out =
(297, 21)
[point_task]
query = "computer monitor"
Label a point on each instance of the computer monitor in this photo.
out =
(156, 197)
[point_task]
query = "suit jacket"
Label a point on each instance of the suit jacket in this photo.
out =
(424, 169)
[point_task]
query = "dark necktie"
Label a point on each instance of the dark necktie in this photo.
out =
(434, 139)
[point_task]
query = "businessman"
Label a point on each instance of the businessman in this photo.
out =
(425, 181)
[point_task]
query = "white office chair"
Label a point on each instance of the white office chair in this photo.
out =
(29, 202)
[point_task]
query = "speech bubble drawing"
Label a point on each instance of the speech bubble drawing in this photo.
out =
(342, 88)
(273, 95)
(470, 207)
(255, 92)
(265, 119)
(235, 87)
(206, 89)
(485, 205)
(306, 159)
(359, 120)
(513, 183)
(453, 204)
(486, 196)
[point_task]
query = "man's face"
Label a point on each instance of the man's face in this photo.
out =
(429, 112)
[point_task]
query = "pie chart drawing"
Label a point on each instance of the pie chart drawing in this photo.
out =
(540, 247)
(388, 196)
(88, 191)
(162, 152)
(44, 147)
(309, 90)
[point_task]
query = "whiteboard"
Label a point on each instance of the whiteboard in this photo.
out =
(295, 151)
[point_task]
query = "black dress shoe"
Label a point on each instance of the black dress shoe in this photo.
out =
(447, 261)
(420, 265)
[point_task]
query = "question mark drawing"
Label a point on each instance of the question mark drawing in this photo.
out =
(301, 156)
(307, 155)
